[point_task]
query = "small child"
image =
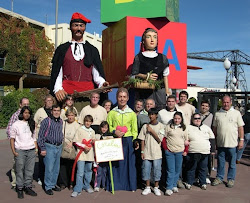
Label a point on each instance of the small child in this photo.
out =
(24, 147)
(151, 136)
(102, 168)
(84, 139)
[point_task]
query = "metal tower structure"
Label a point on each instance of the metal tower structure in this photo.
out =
(235, 77)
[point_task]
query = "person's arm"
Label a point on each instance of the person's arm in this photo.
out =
(58, 89)
(241, 136)
(134, 128)
(12, 146)
(166, 86)
(41, 136)
(12, 120)
(142, 149)
(97, 78)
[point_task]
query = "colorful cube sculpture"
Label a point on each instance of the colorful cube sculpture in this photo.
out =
(114, 10)
(121, 42)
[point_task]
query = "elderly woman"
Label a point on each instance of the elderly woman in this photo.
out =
(68, 152)
(124, 171)
(151, 65)
(201, 138)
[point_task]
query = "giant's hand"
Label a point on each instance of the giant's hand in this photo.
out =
(153, 76)
(60, 95)
(105, 84)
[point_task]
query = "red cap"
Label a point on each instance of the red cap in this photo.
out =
(78, 16)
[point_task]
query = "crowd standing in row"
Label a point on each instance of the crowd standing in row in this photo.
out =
(164, 137)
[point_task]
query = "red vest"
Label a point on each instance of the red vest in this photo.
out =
(76, 76)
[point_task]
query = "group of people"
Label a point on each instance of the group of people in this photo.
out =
(163, 141)
(175, 144)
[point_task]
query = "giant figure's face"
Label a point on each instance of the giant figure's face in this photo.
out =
(150, 41)
(77, 30)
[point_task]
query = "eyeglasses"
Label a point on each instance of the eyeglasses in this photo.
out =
(197, 118)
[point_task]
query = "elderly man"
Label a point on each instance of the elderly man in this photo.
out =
(142, 117)
(98, 112)
(227, 127)
(76, 64)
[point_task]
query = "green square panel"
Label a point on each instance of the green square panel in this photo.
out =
(115, 10)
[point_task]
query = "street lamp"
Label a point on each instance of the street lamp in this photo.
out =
(227, 65)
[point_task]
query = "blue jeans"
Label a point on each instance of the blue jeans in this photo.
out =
(25, 163)
(196, 160)
(84, 171)
(52, 165)
(228, 154)
(146, 169)
(246, 141)
(102, 171)
(174, 166)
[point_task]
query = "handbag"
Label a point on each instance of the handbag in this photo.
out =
(68, 153)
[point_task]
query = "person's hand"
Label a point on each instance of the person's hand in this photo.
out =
(69, 145)
(60, 95)
(105, 84)
(86, 149)
(43, 153)
(15, 154)
(142, 156)
(153, 76)
(137, 145)
(119, 133)
(240, 144)
(184, 154)
(149, 129)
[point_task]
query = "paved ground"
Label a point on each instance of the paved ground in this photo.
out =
(239, 194)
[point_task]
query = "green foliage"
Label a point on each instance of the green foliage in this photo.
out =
(24, 43)
(10, 103)
(132, 82)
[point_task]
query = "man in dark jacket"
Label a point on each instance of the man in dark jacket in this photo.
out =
(246, 119)
(76, 64)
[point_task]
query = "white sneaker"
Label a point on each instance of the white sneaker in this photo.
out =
(96, 189)
(146, 191)
(75, 194)
(208, 181)
(204, 187)
(188, 186)
(175, 190)
(90, 190)
(168, 192)
(157, 191)
(39, 182)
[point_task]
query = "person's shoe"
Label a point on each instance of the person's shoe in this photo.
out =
(188, 186)
(157, 191)
(19, 193)
(230, 183)
(237, 162)
(168, 192)
(96, 189)
(146, 191)
(57, 189)
(216, 182)
(180, 184)
(90, 190)
(70, 187)
(49, 192)
(13, 187)
(62, 187)
(29, 191)
(204, 187)
(208, 181)
(75, 194)
(175, 190)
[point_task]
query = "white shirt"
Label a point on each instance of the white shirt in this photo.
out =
(78, 55)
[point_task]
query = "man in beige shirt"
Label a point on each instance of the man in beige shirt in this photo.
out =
(227, 127)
